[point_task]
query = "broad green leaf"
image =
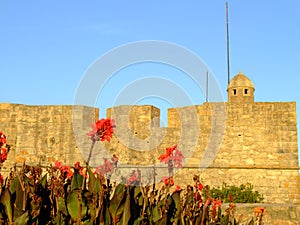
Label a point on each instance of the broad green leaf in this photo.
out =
(13, 185)
(62, 206)
(116, 207)
(126, 214)
(137, 192)
(176, 199)
(76, 205)
(138, 195)
(19, 199)
(171, 208)
(16, 189)
(107, 220)
(30, 183)
(155, 213)
(8, 207)
(77, 181)
(120, 189)
(22, 220)
(94, 184)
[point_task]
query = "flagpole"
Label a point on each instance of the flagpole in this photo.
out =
(206, 86)
(227, 33)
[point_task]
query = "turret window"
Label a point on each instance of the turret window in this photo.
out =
(246, 91)
(234, 91)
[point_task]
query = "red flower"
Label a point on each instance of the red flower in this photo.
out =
(170, 150)
(177, 158)
(3, 155)
(79, 168)
(2, 139)
(173, 157)
(199, 186)
(168, 181)
(102, 130)
(197, 197)
(57, 164)
(108, 165)
(178, 188)
(165, 157)
(1, 179)
(216, 203)
(132, 179)
(260, 210)
(66, 170)
(105, 168)
(207, 202)
(4, 148)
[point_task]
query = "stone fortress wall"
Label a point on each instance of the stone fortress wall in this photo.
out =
(236, 142)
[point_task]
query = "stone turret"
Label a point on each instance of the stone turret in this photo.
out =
(241, 89)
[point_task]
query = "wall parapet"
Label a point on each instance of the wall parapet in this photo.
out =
(259, 140)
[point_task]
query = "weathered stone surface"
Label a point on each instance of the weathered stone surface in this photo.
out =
(235, 142)
(256, 145)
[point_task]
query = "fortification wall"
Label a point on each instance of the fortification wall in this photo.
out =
(42, 134)
(234, 143)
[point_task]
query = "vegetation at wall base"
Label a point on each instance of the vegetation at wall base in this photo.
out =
(67, 195)
(29, 197)
(232, 193)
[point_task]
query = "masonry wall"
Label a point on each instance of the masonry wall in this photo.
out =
(234, 143)
(42, 134)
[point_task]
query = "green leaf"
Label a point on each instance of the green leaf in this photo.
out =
(43, 181)
(13, 186)
(176, 199)
(162, 221)
(107, 217)
(8, 207)
(120, 189)
(30, 183)
(94, 184)
(19, 195)
(77, 181)
(20, 198)
(62, 206)
(76, 205)
(171, 208)
(117, 205)
(155, 214)
(59, 219)
(126, 213)
(22, 220)
(137, 192)
(138, 221)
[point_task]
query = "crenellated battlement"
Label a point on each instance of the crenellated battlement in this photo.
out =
(235, 142)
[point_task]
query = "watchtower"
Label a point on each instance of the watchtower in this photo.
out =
(241, 89)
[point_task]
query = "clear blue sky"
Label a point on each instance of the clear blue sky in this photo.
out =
(47, 46)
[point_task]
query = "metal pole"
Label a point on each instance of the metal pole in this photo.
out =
(227, 32)
(206, 86)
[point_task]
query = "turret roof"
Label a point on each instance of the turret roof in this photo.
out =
(240, 80)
